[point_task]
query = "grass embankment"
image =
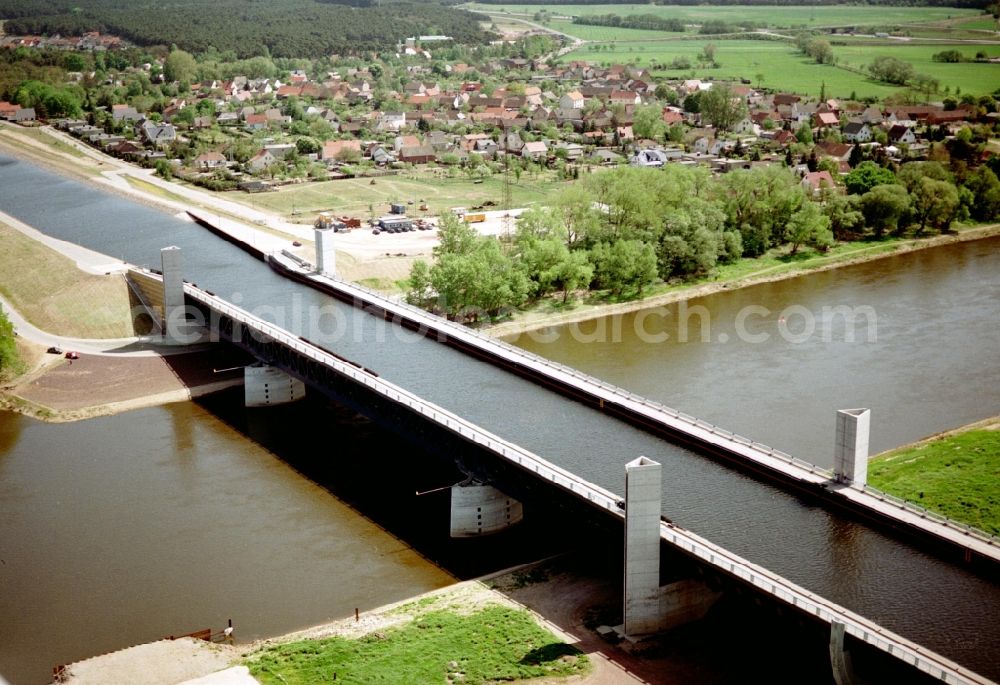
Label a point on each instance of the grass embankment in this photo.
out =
(54, 295)
(493, 644)
(955, 474)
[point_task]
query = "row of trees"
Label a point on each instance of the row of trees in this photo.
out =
(10, 360)
(622, 230)
(632, 21)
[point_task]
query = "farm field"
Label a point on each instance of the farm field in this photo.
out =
(798, 16)
(609, 33)
(783, 68)
(353, 196)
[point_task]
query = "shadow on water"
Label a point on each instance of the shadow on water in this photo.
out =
(379, 475)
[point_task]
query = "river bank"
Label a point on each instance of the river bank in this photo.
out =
(534, 321)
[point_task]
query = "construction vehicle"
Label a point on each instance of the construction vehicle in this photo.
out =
(474, 218)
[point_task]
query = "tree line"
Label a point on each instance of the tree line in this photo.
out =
(632, 21)
(248, 28)
(622, 230)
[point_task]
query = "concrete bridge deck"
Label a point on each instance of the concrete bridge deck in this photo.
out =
(974, 545)
(298, 354)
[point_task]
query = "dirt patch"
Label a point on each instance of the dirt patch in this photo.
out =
(166, 662)
(58, 389)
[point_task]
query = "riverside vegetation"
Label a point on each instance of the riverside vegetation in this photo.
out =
(619, 232)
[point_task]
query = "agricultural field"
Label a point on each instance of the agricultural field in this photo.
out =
(609, 33)
(981, 24)
(773, 16)
(354, 196)
(781, 67)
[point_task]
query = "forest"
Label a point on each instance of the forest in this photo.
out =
(249, 28)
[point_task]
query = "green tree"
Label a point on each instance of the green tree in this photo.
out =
(891, 70)
(180, 66)
(809, 226)
(10, 360)
(844, 212)
(884, 206)
(819, 49)
(419, 284)
(866, 176)
(985, 189)
(647, 122)
(454, 236)
(934, 203)
(721, 107)
(624, 264)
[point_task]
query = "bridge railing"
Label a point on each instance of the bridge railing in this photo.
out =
(923, 512)
(718, 557)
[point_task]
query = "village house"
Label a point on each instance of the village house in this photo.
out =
(155, 134)
(124, 113)
(209, 160)
(338, 149)
(261, 161)
(857, 132)
(535, 150)
(901, 134)
(391, 121)
(816, 181)
(417, 154)
(571, 100)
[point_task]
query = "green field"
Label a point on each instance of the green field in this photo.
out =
(981, 24)
(783, 68)
(353, 196)
(956, 475)
(780, 17)
(496, 644)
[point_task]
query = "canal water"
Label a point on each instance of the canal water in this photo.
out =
(769, 391)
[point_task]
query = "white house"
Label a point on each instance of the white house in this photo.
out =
(857, 132)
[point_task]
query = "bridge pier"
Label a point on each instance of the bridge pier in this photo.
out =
(174, 312)
(850, 459)
(643, 495)
(326, 255)
(840, 658)
(264, 386)
(479, 509)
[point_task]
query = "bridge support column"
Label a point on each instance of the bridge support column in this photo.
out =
(478, 509)
(326, 255)
(840, 659)
(643, 494)
(264, 386)
(850, 459)
(174, 316)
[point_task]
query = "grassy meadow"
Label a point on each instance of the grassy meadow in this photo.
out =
(353, 196)
(774, 16)
(782, 67)
(956, 475)
(495, 644)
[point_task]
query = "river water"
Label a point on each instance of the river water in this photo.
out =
(124, 529)
(917, 368)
